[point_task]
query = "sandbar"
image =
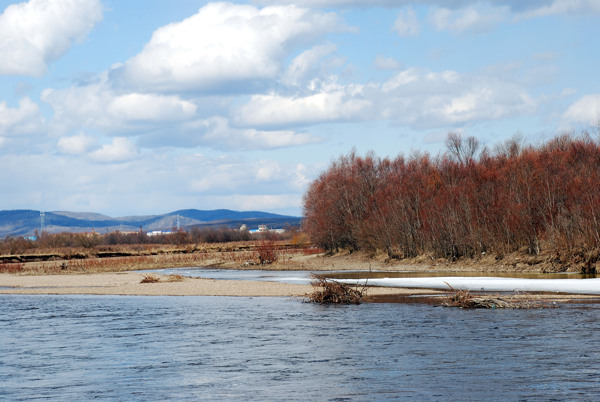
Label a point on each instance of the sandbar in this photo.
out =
(129, 283)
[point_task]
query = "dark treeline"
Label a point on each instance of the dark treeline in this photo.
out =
(465, 202)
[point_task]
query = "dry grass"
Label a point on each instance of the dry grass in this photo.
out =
(174, 278)
(156, 279)
(144, 256)
(150, 279)
(333, 292)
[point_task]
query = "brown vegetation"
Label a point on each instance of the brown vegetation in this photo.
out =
(150, 279)
(466, 203)
(174, 278)
(329, 291)
(103, 258)
(267, 253)
(157, 279)
(466, 299)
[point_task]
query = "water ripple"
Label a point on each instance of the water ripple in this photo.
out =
(225, 348)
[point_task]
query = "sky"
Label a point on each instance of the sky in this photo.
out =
(144, 107)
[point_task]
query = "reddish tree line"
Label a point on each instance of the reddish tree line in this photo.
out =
(461, 203)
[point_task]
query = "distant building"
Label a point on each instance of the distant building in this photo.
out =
(158, 233)
(265, 229)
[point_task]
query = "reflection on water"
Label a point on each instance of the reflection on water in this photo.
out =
(231, 348)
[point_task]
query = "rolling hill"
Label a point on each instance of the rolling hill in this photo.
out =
(26, 222)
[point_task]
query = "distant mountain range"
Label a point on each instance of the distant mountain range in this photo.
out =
(26, 222)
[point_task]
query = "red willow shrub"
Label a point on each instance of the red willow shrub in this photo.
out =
(462, 203)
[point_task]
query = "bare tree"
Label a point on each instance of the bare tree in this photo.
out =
(464, 151)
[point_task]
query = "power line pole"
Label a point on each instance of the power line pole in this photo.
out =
(42, 217)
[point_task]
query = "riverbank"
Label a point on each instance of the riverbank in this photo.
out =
(117, 276)
(282, 256)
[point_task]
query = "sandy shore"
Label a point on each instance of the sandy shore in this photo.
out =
(128, 283)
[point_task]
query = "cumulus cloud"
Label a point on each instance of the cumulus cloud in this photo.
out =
(24, 119)
(37, 32)
(585, 110)
(224, 47)
(217, 133)
(407, 23)
(335, 103)
(417, 98)
(120, 150)
(76, 145)
(97, 105)
(305, 65)
(424, 99)
(146, 107)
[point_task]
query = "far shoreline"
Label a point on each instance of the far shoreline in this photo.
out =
(121, 276)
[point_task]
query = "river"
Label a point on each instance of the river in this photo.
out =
(236, 348)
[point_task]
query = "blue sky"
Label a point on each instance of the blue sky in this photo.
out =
(144, 107)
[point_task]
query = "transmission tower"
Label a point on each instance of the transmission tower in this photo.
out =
(42, 216)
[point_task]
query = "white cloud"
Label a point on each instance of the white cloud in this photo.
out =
(25, 119)
(224, 47)
(37, 32)
(585, 110)
(76, 145)
(120, 150)
(420, 99)
(465, 20)
(218, 134)
(327, 105)
(96, 105)
(407, 23)
(306, 63)
(423, 99)
(132, 107)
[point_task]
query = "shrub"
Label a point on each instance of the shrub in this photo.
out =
(266, 252)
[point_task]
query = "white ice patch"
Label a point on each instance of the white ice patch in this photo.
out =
(579, 286)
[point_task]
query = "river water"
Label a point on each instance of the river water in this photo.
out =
(236, 348)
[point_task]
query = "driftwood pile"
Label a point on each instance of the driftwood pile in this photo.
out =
(465, 299)
(332, 292)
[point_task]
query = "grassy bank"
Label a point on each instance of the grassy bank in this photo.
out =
(134, 257)
(270, 255)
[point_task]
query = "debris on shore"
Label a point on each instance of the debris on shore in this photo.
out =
(466, 299)
(328, 291)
